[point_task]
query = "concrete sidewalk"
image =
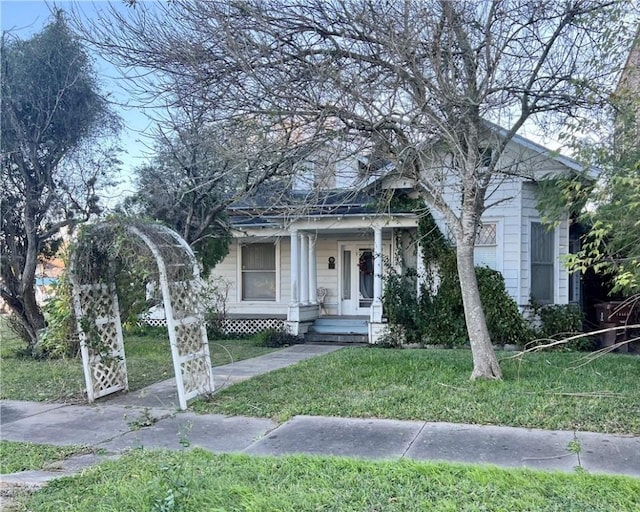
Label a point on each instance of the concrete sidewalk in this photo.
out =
(164, 395)
(122, 423)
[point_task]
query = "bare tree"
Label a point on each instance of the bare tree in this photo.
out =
(424, 78)
(202, 166)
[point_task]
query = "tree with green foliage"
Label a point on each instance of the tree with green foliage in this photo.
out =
(611, 246)
(610, 205)
(54, 156)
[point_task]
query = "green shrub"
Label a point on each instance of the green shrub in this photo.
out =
(445, 320)
(394, 337)
(506, 323)
(560, 321)
(401, 307)
(439, 319)
(60, 338)
(275, 338)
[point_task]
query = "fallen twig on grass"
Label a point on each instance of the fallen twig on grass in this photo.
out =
(555, 343)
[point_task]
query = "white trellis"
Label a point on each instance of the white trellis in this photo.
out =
(95, 302)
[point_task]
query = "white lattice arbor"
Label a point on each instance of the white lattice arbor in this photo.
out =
(95, 301)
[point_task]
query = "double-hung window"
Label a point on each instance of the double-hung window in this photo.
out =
(259, 272)
(542, 265)
(485, 252)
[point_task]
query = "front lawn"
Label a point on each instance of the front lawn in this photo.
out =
(15, 456)
(198, 480)
(148, 361)
(545, 390)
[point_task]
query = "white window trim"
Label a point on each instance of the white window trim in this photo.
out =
(555, 258)
(556, 266)
(239, 298)
(499, 245)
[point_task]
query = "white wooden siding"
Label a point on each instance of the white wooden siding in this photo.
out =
(230, 270)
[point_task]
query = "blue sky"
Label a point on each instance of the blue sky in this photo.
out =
(27, 17)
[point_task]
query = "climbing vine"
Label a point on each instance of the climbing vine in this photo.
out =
(436, 315)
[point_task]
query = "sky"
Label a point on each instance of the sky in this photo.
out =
(27, 17)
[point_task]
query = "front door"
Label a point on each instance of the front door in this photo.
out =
(357, 274)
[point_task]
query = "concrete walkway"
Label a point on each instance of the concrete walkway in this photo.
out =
(149, 419)
(164, 395)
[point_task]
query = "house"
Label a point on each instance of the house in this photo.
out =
(313, 262)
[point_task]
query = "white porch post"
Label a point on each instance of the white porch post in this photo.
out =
(304, 269)
(313, 271)
(420, 268)
(295, 268)
(377, 277)
(376, 307)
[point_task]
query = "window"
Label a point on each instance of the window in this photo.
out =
(487, 245)
(542, 252)
(486, 154)
(304, 176)
(575, 290)
(259, 272)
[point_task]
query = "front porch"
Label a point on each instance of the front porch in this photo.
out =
(312, 268)
(329, 305)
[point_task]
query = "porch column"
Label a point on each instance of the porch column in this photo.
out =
(377, 265)
(375, 316)
(295, 268)
(304, 269)
(420, 269)
(313, 271)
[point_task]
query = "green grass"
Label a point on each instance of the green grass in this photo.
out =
(16, 456)
(198, 480)
(148, 361)
(544, 390)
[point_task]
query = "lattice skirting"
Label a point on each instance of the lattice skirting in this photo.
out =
(153, 322)
(234, 326)
(251, 325)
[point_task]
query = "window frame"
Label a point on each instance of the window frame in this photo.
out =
(497, 246)
(550, 264)
(241, 272)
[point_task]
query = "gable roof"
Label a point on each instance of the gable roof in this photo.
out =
(276, 201)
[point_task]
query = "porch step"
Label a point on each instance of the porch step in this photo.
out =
(337, 325)
(316, 337)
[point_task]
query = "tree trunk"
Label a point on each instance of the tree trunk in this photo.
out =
(32, 319)
(29, 315)
(485, 363)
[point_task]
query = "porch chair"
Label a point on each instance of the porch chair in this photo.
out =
(321, 294)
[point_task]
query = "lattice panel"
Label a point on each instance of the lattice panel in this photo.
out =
(96, 307)
(185, 299)
(108, 342)
(189, 338)
(153, 322)
(108, 373)
(96, 301)
(195, 375)
(251, 326)
(178, 263)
